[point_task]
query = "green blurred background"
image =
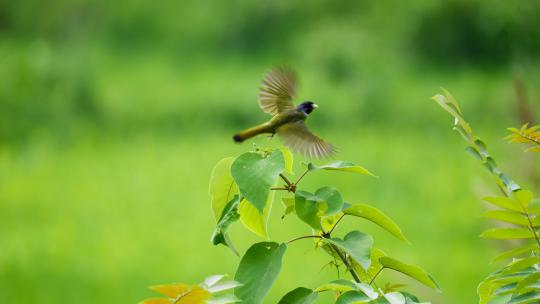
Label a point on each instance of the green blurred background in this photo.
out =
(113, 113)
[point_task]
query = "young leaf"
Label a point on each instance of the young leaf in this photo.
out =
(515, 252)
(311, 207)
(337, 285)
(352, 297)
(507, 233)
(258, 270)
(504, 202)
(288, 158)
(341, 166)
(182, 293)
(378, 217)
(412, 271)
(253, 219)
(171, 290)
(222, 187)
(299, 295)
(507, 216)
(288, 203)
(255, 175)
(524, 197)
(228, 216)
(357, 244)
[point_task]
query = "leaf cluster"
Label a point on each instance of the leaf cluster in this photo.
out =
(526, 135)
(519, 280)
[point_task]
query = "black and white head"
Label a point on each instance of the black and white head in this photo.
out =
(307, 107)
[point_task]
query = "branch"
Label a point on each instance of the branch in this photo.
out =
(304, 237)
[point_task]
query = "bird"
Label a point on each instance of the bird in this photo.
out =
(276, 95)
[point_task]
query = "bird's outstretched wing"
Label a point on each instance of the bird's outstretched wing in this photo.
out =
(277, 90)
(299, 138)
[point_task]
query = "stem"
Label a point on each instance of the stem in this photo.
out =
(301, 176)
(335, 225)
(287, 181)
(376, 275)
(304, 237)
(279, 188)
(346, 263)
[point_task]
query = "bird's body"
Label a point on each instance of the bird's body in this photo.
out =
(275, 98)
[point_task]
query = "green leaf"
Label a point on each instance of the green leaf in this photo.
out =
(357, 244)
(337, 285)
(299, 295)
(504, 202)
(311, 207)
(507, 233)
(515, 252)
(521, 264)
(412, 271)
(253, 219)
(374, 267)
(378, 217)
(258, 270)
(529, 297)
(222, 187)
(341, 166)
(288, 203)
(255, 175)
(395, 298)
(531, 279)
(289, 160)
(524, 197)
(352, 297)
(507, 216)
(228, 216)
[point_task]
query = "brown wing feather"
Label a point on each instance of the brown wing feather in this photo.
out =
(299, 138)
(277, 91)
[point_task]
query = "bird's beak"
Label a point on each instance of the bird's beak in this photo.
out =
(315, 105)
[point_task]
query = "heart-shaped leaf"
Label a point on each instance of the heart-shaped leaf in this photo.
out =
(258, 270)
(378, 217)
(222, 187)
(311, 207)
(255, 175)
(358, 245)
(300, 295)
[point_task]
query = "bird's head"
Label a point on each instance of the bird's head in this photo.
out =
(307, 107)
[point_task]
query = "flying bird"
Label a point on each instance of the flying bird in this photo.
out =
(276, 94)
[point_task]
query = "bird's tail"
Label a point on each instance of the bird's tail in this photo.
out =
(251, 132)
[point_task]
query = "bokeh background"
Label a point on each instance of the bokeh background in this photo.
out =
(113, 113)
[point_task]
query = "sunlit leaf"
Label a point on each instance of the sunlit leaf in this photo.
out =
(225, 299)
(507, 216)
(255, 175)
(378, 217)
(515, 252)
(395, 298)
(507, 233)
(524, 197)
(222, 187)
(412, 271)
(521, 264)
(374, 267)
(171, 290)
(357, 244)
(289, 160)
(155, 301)
(337, 285)
(341, 166)
(212, 280)
(299, 295)
(223, 286)
(288, 203)
(253, 219)
(258, 270)
(504, 202)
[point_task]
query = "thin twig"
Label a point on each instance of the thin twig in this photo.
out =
(344, 260)
(301, 176)
(303, 237)
(279, 188)
(376, 275)
(337, 222)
